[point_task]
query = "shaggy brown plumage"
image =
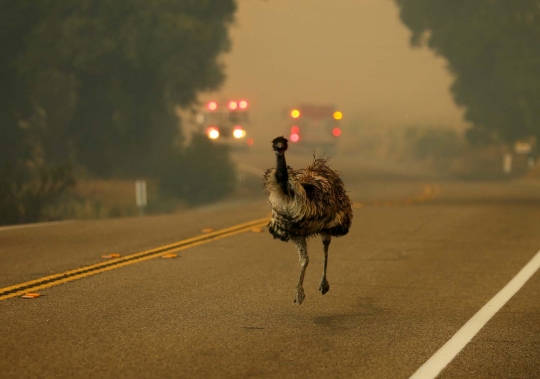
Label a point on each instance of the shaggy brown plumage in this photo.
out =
(306, 202)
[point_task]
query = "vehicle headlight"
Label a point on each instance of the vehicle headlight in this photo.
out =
(212, 132)
(239, 132)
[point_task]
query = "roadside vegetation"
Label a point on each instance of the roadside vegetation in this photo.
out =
(87, 105)
(491, 50)
(436, 147)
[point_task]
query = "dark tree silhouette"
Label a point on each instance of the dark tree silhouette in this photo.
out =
(492, 50)
(96, 83)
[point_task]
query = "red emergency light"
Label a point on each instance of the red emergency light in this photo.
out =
(212, 106)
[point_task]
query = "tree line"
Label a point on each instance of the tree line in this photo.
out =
(491, 47)
(94, 85)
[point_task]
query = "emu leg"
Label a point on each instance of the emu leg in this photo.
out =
(324, 287)
(301, 245)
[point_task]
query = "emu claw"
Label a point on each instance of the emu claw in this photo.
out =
(300, 296)
(324, 286)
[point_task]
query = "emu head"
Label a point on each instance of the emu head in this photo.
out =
(279, 144)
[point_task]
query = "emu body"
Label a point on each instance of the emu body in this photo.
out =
(306, 202)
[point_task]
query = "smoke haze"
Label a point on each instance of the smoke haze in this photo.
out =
(352, 53)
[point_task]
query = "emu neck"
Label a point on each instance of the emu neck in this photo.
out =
(282, 175)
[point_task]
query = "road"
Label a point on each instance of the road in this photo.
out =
(424, 255)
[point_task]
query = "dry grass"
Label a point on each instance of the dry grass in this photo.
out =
(534, 172)
(99, 198)
(119, 193)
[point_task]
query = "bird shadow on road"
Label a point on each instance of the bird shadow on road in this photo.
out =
(366, 308)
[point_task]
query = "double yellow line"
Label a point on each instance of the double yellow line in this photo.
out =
(430, 191)
(68, 276)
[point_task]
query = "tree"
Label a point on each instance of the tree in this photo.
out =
(492, 50)
(203, 172)
(127, 64)
(95, 82)
(16, 19)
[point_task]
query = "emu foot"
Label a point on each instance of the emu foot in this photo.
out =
(300, 296)
(324, 286)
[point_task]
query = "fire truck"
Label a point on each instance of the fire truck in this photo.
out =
(314, 127)
(226, 122)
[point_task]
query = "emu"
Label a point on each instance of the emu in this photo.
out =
(306, 202)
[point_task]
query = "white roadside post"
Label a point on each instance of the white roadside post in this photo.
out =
(525, 148)
(140, 195)
(507, 163)
(240, 175)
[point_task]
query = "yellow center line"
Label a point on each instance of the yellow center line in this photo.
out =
(64, 277)
(430, 192)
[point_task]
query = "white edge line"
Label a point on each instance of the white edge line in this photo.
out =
(451, 349)
(24, 226)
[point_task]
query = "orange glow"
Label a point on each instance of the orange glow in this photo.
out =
(250, 141)
(212, 106)
(233, 105)
(336, 132)
(295, 113)
(338, 115)
(295, 130)
(295, 137)
(243, 104)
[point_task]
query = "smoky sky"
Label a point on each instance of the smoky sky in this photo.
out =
(351, 53)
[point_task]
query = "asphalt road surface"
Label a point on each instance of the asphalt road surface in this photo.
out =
(425, 254)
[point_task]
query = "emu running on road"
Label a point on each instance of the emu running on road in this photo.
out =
(306, 202)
